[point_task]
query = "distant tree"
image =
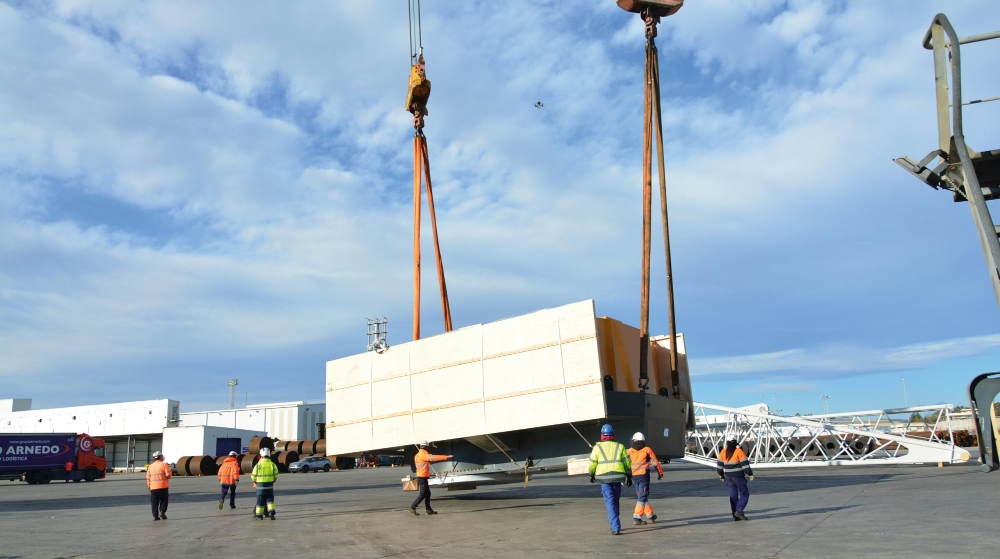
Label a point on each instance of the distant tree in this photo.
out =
(959, 408)
(916, 418)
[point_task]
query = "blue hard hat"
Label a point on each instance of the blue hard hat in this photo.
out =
(607, 429)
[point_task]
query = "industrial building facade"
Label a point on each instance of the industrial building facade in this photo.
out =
(133, 431)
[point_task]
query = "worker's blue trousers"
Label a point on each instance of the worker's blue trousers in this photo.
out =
(612, 496)
(739, 495)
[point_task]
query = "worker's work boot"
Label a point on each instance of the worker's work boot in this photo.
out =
(163, 516)
(430, 512)
(741, 515)
(637, 521)
(652, 518)
(221, 502)
(156, 518)
(232, 506)
(616, 532)
(258, 517)
(272, 516)
(414, 512)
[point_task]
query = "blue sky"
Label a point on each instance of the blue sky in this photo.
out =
(199, 191)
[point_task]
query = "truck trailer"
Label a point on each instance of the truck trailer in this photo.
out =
(42, 457)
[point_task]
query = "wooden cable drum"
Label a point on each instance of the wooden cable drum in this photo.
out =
(257, 443)
(202, 466)
(248, 462)
(321, 447)
(308, 447)
(295, 446)
(219, 460)
(182, 466)
(279, 446)
(284, 459)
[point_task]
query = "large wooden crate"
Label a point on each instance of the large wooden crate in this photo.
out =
(530, 371)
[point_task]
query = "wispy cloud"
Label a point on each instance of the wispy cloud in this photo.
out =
(845, 360)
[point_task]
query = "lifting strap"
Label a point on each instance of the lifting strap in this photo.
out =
(653, 123)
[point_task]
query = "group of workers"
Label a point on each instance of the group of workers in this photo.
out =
(611, 464)
(263, 476)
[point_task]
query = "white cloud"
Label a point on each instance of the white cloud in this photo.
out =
(846, 359)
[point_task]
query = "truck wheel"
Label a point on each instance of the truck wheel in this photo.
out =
(30, 478)
(44, 476)
(90, 474)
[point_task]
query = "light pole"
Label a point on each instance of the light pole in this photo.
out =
(826, 406)
(906, 401)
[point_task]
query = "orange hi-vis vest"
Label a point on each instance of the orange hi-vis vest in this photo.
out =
(423, 461)
(158, 475)
(643, 460)
(737, 465)
(69, 466)
(229, 472)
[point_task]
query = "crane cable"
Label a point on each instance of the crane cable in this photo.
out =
(416, 32)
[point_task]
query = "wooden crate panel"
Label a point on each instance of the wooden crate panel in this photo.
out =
(581, 362)
(445, 350)
(348, 405)
(522, 372)
(391, 363)
(526, 411)
(449, 423)
(520, 333)
(347, 439)
(576, 321)
(586, 402)
(348, 371)
(442, 387)
(391, 396)
(388, 431)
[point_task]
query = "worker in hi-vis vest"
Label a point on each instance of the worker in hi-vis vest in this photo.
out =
(733, 467)
(643, 461)
(264, 474)
(610, 465)
(422, 463)
(158, 481)
(229, 476)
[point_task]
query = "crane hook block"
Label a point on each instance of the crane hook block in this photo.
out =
(660, 8)
(419, 90)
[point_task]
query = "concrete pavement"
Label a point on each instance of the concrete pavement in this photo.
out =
(900, 511)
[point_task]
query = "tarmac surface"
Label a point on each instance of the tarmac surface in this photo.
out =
(881, 511)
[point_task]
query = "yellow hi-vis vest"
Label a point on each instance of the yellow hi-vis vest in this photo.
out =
(609, 461)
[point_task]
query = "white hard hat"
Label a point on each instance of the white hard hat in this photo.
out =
(265, 452)
(638, 437)
(424, 444)
(233, 453)
(157, 455)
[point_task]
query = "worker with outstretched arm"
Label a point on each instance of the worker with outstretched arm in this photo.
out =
(264, 474)
(229, 476)
(158, 476)
(643, 461)
(733, 467)
(610, 464)
(422, 461)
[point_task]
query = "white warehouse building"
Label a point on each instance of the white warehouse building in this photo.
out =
(134, 430)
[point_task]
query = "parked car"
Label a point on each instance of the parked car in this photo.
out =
(310, 464)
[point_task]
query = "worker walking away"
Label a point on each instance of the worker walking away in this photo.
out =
(422, 462)
(264, 474)
(643, 460)
(158, 476)
(610, 464)
(69, 471)
(229, 476)
(733, 467)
